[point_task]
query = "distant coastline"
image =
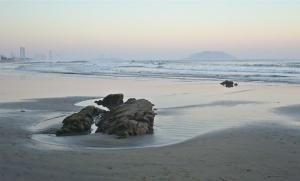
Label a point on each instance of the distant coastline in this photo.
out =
(211, 55)
(4, 59)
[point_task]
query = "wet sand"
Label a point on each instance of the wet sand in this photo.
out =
(253, 131)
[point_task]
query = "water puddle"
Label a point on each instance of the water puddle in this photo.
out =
(172, 125)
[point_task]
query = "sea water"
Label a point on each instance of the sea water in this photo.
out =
(267, 71)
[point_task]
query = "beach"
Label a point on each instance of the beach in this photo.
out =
(136, 90)
(204, 130)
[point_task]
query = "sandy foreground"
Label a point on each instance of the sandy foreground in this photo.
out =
(250, 132)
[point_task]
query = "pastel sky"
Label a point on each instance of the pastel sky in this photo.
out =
(143, 29)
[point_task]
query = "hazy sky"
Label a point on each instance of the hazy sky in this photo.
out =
(151, 28)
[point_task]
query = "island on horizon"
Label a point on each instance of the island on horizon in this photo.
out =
(211, 55)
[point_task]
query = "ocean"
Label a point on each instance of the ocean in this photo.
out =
(263, 71)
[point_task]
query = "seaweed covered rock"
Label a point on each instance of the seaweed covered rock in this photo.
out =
(111, 101)
(134, 117)
(79, 123)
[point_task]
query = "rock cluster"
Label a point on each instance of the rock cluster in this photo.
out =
(111, 101)
(79, 123)
(134, 117)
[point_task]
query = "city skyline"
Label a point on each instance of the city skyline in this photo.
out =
(22, 54)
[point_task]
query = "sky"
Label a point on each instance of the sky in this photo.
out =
(151, 29)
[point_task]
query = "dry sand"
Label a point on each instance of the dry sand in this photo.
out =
(257, 135)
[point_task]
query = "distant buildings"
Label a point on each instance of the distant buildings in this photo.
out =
(50, 56)
(3, 58)
(22, 53)
(23, 57)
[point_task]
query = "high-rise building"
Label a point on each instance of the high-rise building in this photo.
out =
(50, 56)
(22, 52)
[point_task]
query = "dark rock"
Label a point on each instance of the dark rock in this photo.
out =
(91, 111)
(134, 117)
(228, 83)
(111, 101)
(130, 101)
(79, 123)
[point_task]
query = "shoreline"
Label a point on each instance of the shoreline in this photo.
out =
(246, 71)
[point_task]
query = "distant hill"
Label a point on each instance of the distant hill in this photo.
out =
(211, 55)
